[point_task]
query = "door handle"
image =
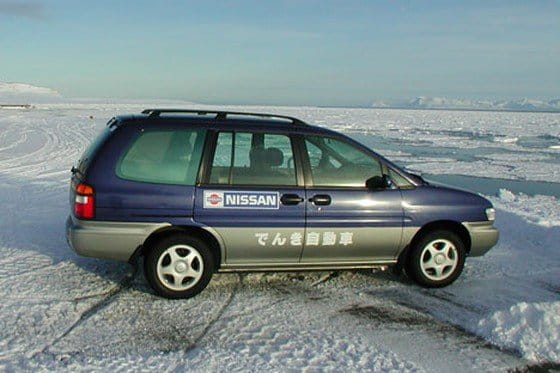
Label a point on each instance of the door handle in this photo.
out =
(321, 199)
(290, 199)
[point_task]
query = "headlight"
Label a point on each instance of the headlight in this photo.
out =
(491, 214)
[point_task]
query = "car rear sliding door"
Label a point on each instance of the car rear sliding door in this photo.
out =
(250, 196)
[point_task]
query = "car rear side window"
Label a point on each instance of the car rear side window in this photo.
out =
(165, 157)
(244, 158)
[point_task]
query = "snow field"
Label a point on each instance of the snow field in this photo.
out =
(542, 210)
(64, 312)
(533, 328)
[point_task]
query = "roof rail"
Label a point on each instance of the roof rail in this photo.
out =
(220, 115)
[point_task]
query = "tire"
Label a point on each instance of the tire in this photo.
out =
(178, 266)
(437, 259)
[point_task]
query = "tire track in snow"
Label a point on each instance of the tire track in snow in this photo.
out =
(311, 294)
(52, 147)
(182, 340)
(550, 287)
(21, 138)
(288, 329)
(414, 303)
(125, 283)
(21, 164)
(407, 314)
(543, 367)
(394, 310)
(218, 316)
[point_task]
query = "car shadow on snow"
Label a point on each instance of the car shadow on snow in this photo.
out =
(32, 229)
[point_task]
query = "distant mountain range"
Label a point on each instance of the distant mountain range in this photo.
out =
(22, 93)
(425, 102)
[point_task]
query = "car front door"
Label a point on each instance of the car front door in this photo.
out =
(253, 200)
(347, 222)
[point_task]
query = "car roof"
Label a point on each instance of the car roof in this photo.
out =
(249, 123)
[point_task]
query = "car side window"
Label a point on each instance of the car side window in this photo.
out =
(339, 164)
(219, 172)
(398, 180)
(245, 158)
(166, 157)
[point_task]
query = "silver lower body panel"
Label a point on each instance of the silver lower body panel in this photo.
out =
(484, 236)
(108, 240)
(119, 240)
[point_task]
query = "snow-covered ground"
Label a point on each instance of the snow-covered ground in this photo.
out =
(60, 311)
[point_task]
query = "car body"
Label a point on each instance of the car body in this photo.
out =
(255, 192)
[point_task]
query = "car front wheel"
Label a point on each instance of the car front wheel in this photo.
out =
(179, 266)
(437, 259)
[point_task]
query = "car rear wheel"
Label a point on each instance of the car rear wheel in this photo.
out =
(179, 266)
(437, 259)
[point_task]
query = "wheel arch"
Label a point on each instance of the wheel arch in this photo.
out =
(199, 232)
(447, 225)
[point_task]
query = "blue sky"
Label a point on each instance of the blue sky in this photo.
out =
(284, 52)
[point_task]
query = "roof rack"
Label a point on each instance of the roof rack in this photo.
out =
(220, 115)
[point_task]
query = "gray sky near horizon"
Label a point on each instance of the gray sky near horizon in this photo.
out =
(284, 52)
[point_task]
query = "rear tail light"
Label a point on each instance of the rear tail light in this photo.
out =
(84, 202)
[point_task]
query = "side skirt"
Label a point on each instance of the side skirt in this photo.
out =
(267, 267)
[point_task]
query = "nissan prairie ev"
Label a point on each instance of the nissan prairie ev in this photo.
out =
(199, 192)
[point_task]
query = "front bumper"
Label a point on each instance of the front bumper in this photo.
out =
(109, 240)
(483, 236)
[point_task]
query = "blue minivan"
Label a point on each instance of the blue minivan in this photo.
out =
(198, 192)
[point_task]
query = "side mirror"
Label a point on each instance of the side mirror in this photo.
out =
(378, 182)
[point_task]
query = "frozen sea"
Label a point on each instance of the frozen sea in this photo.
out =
(60, 311)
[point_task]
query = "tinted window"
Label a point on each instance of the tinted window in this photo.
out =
(336, 163)
(219, 172)
(258, 159)
(168, 157)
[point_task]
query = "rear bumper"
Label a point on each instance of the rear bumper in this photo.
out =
(109, 240)
(483, 236)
